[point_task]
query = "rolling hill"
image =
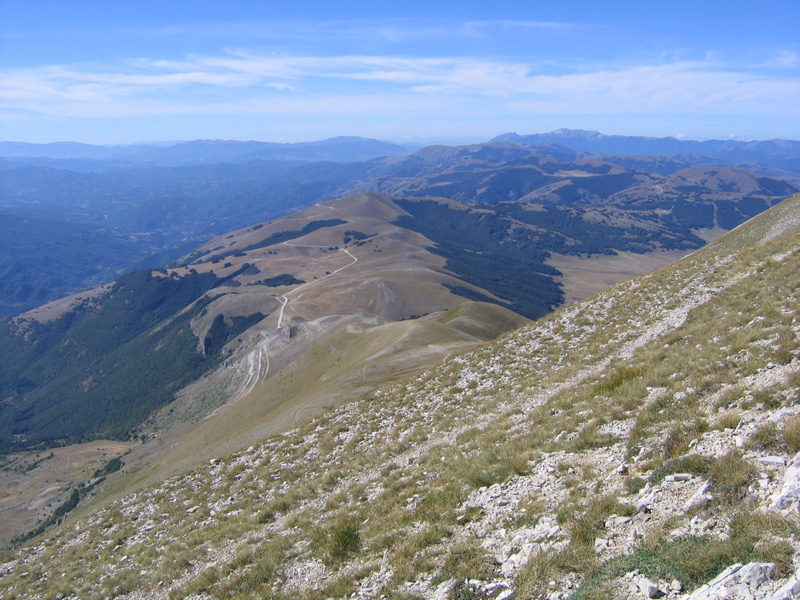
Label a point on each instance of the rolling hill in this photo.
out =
(98, 365)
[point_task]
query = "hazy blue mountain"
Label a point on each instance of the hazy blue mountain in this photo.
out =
(337, 149)
(598, 143)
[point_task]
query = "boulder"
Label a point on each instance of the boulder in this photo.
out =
(790, 492)
(648, 589)
(788, 590)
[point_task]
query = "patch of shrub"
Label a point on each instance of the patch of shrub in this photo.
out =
(691, 463)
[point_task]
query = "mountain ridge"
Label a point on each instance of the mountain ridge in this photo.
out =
(338, 149)
(160, 212)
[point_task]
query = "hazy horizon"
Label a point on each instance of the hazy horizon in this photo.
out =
(411, 72)
(410, 142)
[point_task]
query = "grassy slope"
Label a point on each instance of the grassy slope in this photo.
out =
(380, 490)
(352, 360)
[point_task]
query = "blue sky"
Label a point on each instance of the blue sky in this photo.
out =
(121, 72)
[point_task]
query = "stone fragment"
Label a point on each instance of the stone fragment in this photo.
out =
(699, 498)
(780, 414)
(754, 574)
(790, 492)
(737, 582)
(788, 590)
(773, 460)
(646, 501)
(740, 591)
(648, 589)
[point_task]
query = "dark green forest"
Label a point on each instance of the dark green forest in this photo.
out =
(99, 370)
(279, 280)
(481, 251)
(488, 248)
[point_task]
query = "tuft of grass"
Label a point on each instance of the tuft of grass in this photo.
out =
(727, 420)
(691, 463)
(678, 438)
(467, 561)
(633, 485)
(618, 378)
(728, 398)
(438, 505)
(779, 552)
(791, 434)
(731, 474)
(695, 560)
(553, 566)
(767, 437)
(590, 437)
(588, 523)
(342, 539)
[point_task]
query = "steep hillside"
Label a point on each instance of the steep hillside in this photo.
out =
(137, 217)
(70, 366)
(204, 358)
(637, 444)
(69, 369)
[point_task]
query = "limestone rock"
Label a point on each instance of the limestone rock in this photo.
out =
(788, 590)
(790, 492)
(648, 589)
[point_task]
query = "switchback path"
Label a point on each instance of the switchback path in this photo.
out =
(299, 287)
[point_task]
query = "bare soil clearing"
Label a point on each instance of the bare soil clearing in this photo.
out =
(32, 484)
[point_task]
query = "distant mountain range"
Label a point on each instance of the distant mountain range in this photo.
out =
(144, 216)
(780, 158)
(598, 143)
(88, 157)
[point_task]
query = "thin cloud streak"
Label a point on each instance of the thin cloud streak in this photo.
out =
(278, 83)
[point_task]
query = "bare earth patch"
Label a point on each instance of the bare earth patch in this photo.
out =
(32, 484)
(585, 277)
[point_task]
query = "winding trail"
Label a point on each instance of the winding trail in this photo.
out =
(299, 287)
(257, 360)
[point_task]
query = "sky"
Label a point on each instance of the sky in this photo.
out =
(449, 72)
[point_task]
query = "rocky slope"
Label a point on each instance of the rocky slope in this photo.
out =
(638, 444)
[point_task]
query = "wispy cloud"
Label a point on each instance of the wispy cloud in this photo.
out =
(487, 28)
(240, 81)
(785, 60)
